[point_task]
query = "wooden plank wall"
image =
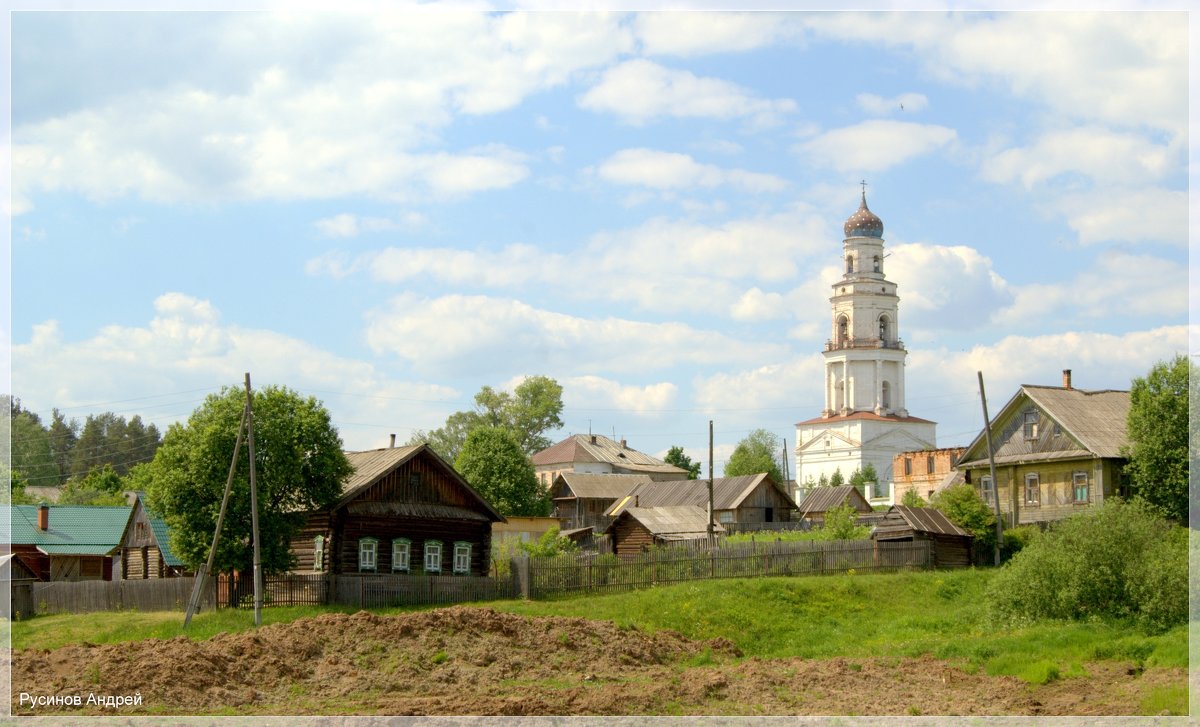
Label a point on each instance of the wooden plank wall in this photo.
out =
(418, 530)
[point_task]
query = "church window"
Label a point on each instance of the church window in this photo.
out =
(843, 330)
(883, 328)
(886, 395)
(876, 263)
(849, 263)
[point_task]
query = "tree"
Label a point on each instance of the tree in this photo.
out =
(841, 523)
(962, 506)
(866, 476)
(101, 486)
(531, 410)
(676, 457)
(1157, 428)
(491, 460)
(823, 481)
(758, 452)
(108, 439)
(299, 465)
(63, 437)
(912, 499)
(31, 454)
(837, 480)
(549, 545)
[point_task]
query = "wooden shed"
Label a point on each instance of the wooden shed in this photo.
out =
(743, 499)
(581, 499)
(820, 500)
(953, 547)
(66, 542)
(637, 529)
(403, 510)
(145, 549)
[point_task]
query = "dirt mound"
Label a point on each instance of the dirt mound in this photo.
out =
(473, 661)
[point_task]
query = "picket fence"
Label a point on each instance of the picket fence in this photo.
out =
(156, 594)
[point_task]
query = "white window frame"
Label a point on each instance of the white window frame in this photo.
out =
(1077, 477)
(368, 554)
(1033, 484)
(401, 555)
(319, 553)
(433, 556)
(462, 558)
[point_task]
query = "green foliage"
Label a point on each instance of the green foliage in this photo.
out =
(1157, 428)
(837, 480)
(912, 499)
(108, 439)
(31, 453)
(1017, 539)
(491, 460)
(864, 476)
(549, 545)
(676, 457)
(823, 481)
(101, 486)
(299, 467)
(841, 524)
(758, 452)
(533, 408)
(962, 506)
(1119, 560)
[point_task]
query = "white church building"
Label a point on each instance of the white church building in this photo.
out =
(864, 420)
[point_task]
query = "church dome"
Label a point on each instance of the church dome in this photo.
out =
(863, 223)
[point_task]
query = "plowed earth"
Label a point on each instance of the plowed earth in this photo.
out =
(471, 661)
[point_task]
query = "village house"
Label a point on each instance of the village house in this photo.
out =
(144, 549)
(581, 500)
(925, 472)
(598, 455)
(821, 500)
(403, 510)
(1057, 449)
(67, 542)
(637, 529)
(952, 546)
(744, 500)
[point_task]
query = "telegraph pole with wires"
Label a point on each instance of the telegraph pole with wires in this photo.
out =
(254, 506)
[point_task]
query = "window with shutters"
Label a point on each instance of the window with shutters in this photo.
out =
(433, 556)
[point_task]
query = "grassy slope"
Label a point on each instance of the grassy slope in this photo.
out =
(904, 614)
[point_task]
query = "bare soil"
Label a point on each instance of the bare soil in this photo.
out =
(471, 661)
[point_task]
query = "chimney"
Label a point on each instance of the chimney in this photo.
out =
(593, 439)
(43, 516)
(1066, 378)
(635, 500)
(623, 445)
(393, 444)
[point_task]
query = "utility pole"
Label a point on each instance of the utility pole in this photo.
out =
(254, 507)
(206, 568)
(987, 430)
(711, 529)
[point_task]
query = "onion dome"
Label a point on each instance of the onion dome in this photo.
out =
(863, 223)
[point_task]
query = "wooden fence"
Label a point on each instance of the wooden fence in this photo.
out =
(364, 591)
(539, 577)
(156, 594)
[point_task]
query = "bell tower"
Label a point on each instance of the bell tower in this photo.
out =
(865, 420)
(864, 356)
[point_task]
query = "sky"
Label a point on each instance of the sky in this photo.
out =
(388, 211)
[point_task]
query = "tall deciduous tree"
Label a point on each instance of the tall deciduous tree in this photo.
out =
(676, 457)
(962, 506)
(532, 409)
(758, 452)
(299, 465)
(491, 460)
(1157, 428)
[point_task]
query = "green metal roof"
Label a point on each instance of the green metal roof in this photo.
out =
(73, 529)
(163, 535)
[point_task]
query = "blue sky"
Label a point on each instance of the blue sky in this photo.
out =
(389, 211)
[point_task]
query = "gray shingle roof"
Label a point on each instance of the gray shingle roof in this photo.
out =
(672, 522)
(598, 448)
(917, 519)
(601, 487)
(728, 493)
(824, 499)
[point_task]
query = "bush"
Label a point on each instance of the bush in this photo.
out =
(1119, 560)
(841, 523)
(1017, 539)
(962, 506)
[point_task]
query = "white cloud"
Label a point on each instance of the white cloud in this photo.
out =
(639, 91)
(185, 347)
(697, 33)
(1128, 215)
(1118, 285)
(795, 385)
(880, 106)
(944, 287)
(876, 145)
(1102, 155)
(356, 123)
(586, 392)
(668, 170)
(477, 335)
(755, 305)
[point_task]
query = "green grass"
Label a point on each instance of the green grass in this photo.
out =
(860, 616)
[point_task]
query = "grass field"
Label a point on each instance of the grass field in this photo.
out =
(939, 613)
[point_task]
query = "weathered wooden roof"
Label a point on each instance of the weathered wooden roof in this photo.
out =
(671, 522)
(158, 526)
(372, 465)
(596, 448)
(900, 519)
(1095, 419)
(824, 499)
(600, 487)
(728, 493)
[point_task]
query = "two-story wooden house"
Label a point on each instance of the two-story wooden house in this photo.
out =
(1057, 449)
